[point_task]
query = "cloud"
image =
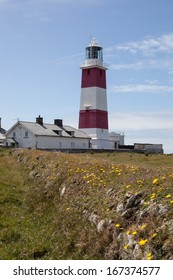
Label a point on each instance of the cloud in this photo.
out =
(147, 46)
(164, 64)
(141, 88)
(138, 121)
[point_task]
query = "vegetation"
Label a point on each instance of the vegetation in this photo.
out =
(85, 206)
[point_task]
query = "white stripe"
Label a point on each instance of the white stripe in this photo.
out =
(96, 133)
(93, 98)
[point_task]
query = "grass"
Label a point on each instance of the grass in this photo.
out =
(52, 205)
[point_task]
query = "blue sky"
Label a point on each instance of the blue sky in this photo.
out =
(42, 44)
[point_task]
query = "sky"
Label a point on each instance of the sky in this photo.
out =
(42, 45)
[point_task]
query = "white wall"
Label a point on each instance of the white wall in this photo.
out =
(50, 142)
(23, 140)
(47, 142)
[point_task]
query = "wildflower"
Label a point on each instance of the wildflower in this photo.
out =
(142, 242)
(134, 232)
(108, 209)
(126, 246)
(128, 232)
(156, 181)
(149, 256)
(171, 201)
(143, 226)
(154, 235)
(117, 225)
(67, 209)
(168, 195)
(153, 195)
(144, 202)
(128, 186)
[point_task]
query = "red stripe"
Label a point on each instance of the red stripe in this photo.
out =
(93, 77)
(93, 119)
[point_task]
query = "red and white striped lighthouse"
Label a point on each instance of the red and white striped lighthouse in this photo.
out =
(93, 116)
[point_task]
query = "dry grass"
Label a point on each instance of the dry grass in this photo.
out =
(52, 204)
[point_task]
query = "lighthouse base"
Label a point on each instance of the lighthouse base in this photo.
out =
(99, 138)
(102, 144)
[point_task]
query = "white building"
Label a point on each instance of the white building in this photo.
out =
(46, 136)
(150, 148)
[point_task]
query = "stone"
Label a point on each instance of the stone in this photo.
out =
(101, 226)
(128, 213)
(134, 200)
(93, 218)
(120, 207)
(162, 209)
(62, 191)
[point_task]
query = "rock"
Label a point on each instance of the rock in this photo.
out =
(120, 207)
(93, 218)
(33, 175)
(140, 253)
(162, 209)
(170, 227)
(134, 200)
(101, 226)
(128, 213)
(62, 191)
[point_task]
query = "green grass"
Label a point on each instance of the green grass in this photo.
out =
(51, 204)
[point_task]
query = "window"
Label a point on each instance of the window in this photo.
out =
(72, 144)
(58, 132)
(14, 134)
(26, 133)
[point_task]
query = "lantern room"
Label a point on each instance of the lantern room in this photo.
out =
(94, 51)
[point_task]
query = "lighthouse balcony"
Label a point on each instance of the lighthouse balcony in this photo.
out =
(93, 62)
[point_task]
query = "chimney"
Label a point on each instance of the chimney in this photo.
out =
(58, 122)
(39, 120)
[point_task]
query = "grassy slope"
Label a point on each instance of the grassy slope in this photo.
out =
(51, 205)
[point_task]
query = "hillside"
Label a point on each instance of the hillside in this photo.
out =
(85, 206)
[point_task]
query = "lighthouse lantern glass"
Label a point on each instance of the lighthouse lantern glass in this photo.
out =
(94, 52)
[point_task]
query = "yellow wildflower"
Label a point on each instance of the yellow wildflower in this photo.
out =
(128, 186)
(149, 256)
(117, 225)
(142, 242)
(108, 209)
(153, 195)
(67, 209)
(156, 181)
(134, 232)
(128, 232)
(168, 195)
(143, 226)
(126, 246)
(171, 201)
(154, 235)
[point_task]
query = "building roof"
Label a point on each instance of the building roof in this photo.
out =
(51, 130)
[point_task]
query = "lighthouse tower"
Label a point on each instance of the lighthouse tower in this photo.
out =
(93, 115)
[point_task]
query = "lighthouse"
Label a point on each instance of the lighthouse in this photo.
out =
(93, 115)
